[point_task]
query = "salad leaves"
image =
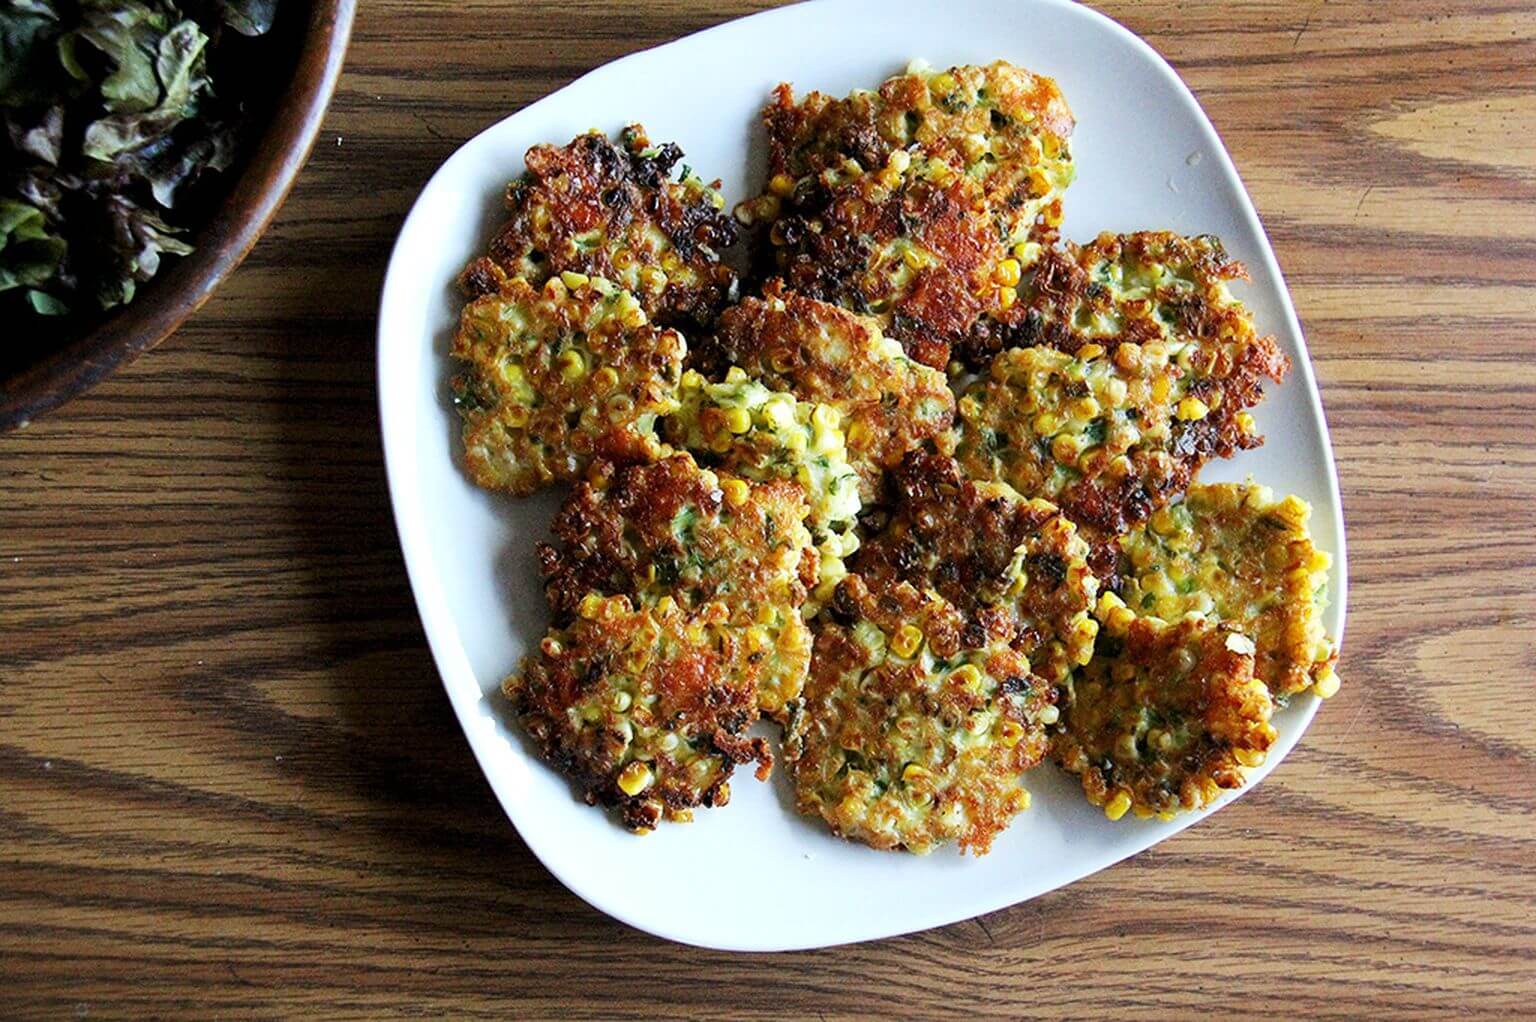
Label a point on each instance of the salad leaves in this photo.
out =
(109, 114)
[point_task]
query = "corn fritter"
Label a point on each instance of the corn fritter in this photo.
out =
(1236, 555)
(613, 210)
(909, 736)
(645, 708)
(671, 532)
(557, 376)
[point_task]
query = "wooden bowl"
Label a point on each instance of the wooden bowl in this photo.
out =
(91, 348)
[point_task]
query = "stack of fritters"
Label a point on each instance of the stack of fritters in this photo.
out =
(925, 496)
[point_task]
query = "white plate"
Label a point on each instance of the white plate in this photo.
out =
(755, 876)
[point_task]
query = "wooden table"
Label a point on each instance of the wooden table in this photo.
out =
(230, 783)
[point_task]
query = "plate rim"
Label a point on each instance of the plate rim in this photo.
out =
(399, 448)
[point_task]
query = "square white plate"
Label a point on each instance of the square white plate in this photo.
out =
(754, 875)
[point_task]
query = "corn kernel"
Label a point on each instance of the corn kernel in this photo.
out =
(620, 407)
(1085, 631)
(736, 492)
(516, 416)
(635, 778)
(1046, 424)
(1085, 408)
(907, 640)
(665, 605)
(591, 606)
(1245, 422)
(1248, 757)
(1192, 408)
(605, 379)
(899, 160)
(572, 366)
(1007, 272)
(1065, 449)
(914, 773)
(574, 280)
(1013, 733)
(1161, 388)
(826, 417)
(758, 640)
(621, 701)
(782, 185)
(1327, 684)
(1089, 351)
(633, 316)
(738, 420)
(1116, 807)
(1006, 297)
(967, 675)
(943, 84)
(653, 279)
(1049, 715)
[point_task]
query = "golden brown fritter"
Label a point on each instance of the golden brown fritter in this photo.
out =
(671, 531)
(646, 709)
(1142, 369)
(909, 735)
(1003, 126)
(1164, 717)
(911, 243)
(1000, 559)
(741, 427)
(613, 210)
(821, 353)
(558, 376)
(1236, 555)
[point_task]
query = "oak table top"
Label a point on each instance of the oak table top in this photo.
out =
(230, 783)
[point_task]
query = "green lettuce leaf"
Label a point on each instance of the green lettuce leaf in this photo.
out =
(29, 253)
(175, 79)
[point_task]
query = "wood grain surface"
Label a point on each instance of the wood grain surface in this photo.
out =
(231, 785)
